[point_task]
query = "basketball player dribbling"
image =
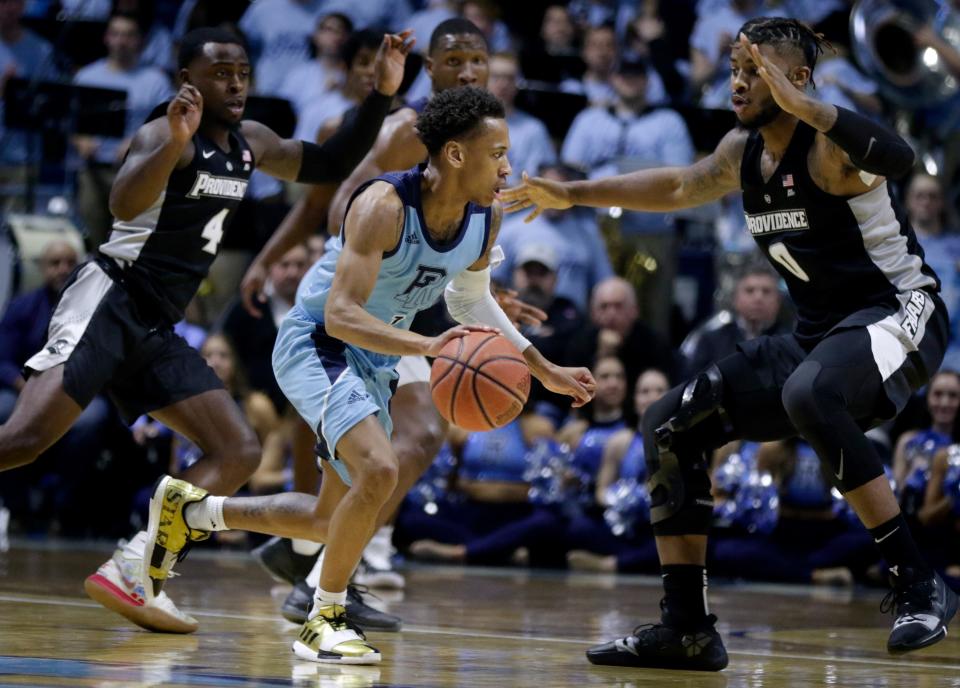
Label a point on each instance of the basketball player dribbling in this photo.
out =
(408, 239)
(871, 330)
(173, 200)
(457, 56)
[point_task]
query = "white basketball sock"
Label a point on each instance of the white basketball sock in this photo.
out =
(305, 547)
(322, 598)
(207, 514)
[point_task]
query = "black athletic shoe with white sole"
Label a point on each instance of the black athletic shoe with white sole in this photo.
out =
(923, 609)
(297, 605)
(658, 646)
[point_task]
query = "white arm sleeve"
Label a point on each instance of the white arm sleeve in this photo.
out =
(470, 302)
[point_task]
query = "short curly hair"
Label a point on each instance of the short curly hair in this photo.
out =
(454, 113)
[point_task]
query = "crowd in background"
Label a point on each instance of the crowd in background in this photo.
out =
(591, 88)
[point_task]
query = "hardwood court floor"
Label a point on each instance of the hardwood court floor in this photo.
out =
(463, 627)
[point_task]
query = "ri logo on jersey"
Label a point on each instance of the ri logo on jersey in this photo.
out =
(422, 290)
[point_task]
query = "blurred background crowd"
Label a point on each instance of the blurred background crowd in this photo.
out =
(592, 88)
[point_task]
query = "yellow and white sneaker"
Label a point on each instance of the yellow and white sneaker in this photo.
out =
(329, 638)
(168, 534)
(118, 586)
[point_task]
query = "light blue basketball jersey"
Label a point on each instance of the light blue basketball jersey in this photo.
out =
(414, 274)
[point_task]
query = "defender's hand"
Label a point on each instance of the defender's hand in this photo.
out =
(435, 344)
(538, 192)
(575, 382)
(388, 69)
(790, 98)
(520, 313)
(184, 112)
(251, 289)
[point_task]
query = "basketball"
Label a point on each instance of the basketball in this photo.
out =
(480, 382)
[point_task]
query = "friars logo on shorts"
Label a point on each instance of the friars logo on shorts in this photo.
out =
(913, 311)
(422, 290)
(777, 221)
(207, 184)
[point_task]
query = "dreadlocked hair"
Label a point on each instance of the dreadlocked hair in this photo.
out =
(777, 31)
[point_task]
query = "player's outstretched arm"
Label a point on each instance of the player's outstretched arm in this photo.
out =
(156, 150)
(860, 143)
(332, 161)
(299, 224)
(662, 189)
(373, 227)
(470, 302)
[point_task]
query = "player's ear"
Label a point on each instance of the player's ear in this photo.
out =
(428, 65)
(801, 77)
(453, 153)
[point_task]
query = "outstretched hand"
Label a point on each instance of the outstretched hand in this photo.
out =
(574, 382)
(790, 98)
(391, 57)
(519, 312)
(538, 192)
(435, 344)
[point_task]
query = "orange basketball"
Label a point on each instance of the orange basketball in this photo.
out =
(480, 382)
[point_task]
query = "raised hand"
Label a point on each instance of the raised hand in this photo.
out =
(435, 344)
(537, 192)
(391, 57)
(790, 98)
(184, 112)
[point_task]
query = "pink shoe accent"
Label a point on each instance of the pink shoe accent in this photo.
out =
(105, 583)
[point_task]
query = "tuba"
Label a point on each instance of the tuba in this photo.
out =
(881, 33)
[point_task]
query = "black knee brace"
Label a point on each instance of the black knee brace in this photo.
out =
(679, 483)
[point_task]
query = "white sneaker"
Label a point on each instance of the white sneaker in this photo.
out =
(376, 566)
(4, 526)
(118, 586)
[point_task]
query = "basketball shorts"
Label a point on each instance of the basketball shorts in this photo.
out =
(333, 386)
(98, 334)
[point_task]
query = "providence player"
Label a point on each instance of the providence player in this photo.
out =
(871, 330)
(173, 199)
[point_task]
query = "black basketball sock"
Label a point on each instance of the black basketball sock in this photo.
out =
(899, 550)
(685, 601)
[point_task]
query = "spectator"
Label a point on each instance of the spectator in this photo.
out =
(321, 118)
(756, 307)
(574, 238)
(616, 329)
(309, 81)
(940, 513)
(145, 88)
(485, 15)
(555, 58)
(23, 54)
(535, 278)
(423, 22)
(926, 209)
(384, 15)
(157, 48)
(599, 54)
(23, 332)
(530, 144)
(622, 138)
(595, 545)
(279, 34)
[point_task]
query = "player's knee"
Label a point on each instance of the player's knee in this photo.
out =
(802, 400)
(245, 457)
(376, 477)
(419, 445)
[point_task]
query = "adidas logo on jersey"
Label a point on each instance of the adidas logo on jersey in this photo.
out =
(207, 184)
(777, 221)
(412, 239)
(356, 396)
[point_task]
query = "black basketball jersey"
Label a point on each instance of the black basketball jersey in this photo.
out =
(838, 255)
(166, 251)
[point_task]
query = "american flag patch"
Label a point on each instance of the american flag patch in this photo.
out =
(248, 158)
(788, 180)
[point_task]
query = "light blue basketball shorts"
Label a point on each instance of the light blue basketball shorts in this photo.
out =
(332, 385)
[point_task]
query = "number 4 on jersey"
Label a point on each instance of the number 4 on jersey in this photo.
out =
(780, 254)
(213, 231)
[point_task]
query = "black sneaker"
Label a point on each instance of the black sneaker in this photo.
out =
(923, 609)
(277, 558)
(297, 605)
(658, 646)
